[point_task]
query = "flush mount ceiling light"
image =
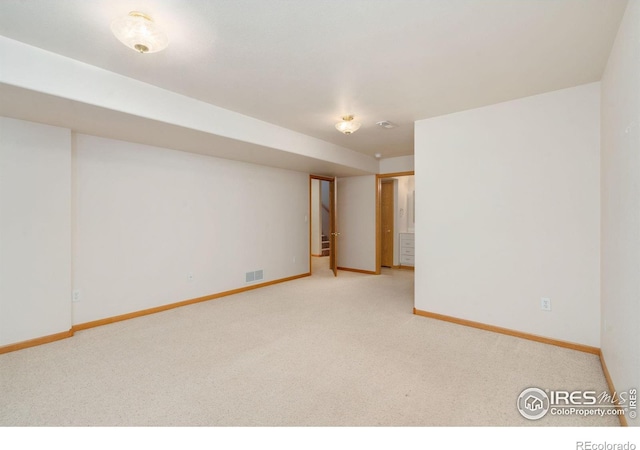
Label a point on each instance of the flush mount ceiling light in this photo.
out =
(386, 124)
(139, 32)
(347, 126)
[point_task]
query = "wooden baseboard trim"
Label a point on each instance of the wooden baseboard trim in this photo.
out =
(407, 267)
(108, 320)
(368, 272)
(507, 331)
(612, 389)
(146, 312)
(35, 342)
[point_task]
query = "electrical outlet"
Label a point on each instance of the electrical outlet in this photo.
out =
(76, 296)
(190, 276)
(545, 304)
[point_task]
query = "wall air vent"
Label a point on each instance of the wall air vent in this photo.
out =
(256, 275)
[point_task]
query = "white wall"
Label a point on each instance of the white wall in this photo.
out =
(404, 211)
(404, 206)
(399, 218)
(507, 212)
(316, 216)
(147, 217)
(397, 164)
(356, 222)
(411, 188)
(401, 205)
(35, 230)
(621, 206)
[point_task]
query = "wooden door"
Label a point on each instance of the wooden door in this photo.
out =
(387, 212)
(333, 238)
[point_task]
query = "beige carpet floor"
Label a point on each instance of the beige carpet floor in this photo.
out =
(317, 351)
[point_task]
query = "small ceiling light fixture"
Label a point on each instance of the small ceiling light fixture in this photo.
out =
(347, 126)
(139, 32)
(386, 124)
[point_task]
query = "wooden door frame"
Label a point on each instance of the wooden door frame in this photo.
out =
(321, 178)
(379, 178)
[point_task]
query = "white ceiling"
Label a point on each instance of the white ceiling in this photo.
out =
(302, 64)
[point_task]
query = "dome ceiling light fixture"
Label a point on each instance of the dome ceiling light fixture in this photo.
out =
(139, 32)
(386, 124)
(347, 126)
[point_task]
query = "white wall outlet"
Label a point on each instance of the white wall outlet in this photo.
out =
(75, 297)
(545, 304)
(190, 276)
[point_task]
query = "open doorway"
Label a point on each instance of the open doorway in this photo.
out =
(388, 189)
(322, 226)
(395, 221)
